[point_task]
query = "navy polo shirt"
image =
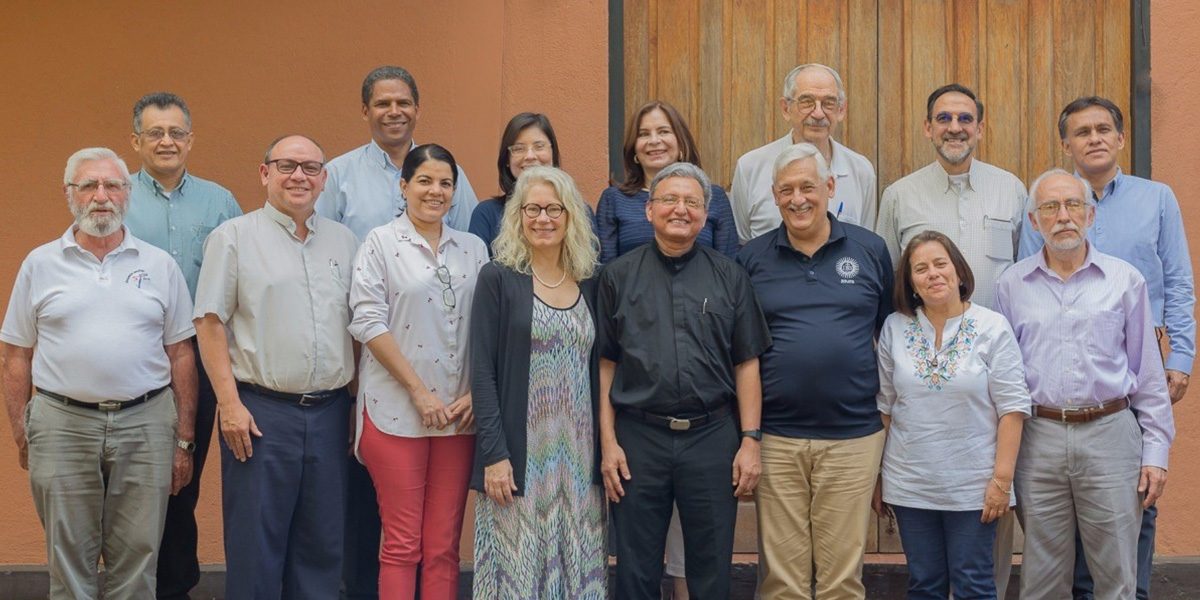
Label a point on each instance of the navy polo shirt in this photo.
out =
(820, 376)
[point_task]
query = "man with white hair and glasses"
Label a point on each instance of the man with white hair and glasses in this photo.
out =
(813, 102)
(1094, 455)
(99, 323)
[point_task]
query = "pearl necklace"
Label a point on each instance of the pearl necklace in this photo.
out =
(543, 282)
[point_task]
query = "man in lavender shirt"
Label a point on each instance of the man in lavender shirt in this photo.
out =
(1082, 320)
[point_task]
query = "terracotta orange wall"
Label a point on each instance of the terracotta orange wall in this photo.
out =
(1174, 132)
(72, 71)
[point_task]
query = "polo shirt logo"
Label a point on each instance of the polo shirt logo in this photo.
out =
(137, 278)
(847, 269)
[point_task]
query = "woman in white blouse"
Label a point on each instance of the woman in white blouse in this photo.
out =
(414, 280)
(953, 397)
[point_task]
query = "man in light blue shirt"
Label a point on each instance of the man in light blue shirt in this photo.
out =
(363, 191)
(1138, 221)
(175, 211)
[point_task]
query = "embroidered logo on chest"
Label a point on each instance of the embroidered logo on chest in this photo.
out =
(138, 278)
(847, 269)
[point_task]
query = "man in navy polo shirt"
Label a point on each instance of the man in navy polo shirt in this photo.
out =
(825, 289)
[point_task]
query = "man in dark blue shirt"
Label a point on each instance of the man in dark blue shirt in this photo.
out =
(825, 289)
(680, 333)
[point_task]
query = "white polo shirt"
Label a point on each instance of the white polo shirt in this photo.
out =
(753, 203)
(98, 327)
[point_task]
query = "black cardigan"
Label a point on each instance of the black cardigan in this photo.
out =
(501, 326)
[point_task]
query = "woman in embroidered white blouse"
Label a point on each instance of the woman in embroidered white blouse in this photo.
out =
(413, 286)
(953, 397)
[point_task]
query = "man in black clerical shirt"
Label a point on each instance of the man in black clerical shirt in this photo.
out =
(680, 333)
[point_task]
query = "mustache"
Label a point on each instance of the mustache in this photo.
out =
(954, 136)
(816, 122)
(1061, 227)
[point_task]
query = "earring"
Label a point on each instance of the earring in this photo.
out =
(636, 161)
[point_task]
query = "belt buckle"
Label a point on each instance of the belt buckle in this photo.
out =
(304, 400)
(680, 424)
(109, 406)
(1064, 411)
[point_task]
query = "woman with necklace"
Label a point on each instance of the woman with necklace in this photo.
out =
(539, 515)
(412, 292)
(954, 400)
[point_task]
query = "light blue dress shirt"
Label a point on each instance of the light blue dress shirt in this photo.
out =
(1138, 221)
(179, 221)
(363, 192)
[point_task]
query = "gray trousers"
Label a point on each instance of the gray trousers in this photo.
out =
(1080, 474)
(100, 484)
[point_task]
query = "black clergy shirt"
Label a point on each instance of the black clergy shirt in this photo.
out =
(676, 327)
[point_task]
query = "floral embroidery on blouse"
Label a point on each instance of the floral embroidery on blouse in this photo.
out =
(936, 368)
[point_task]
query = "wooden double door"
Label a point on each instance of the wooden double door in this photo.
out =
(722, 63)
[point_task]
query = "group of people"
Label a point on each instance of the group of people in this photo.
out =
(969, 350)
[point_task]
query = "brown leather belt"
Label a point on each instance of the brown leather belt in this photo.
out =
(1083, 414)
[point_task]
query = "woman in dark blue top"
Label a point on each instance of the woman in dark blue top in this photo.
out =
(528, 141)
(655, 138)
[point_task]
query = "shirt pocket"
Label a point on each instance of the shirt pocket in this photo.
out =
(999, 239)
(1105, 333)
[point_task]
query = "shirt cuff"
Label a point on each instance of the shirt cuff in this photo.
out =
(1154, 455)
(1178, 361)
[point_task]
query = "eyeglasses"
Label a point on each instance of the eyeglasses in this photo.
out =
(443, 275)
(808, 103)
(176, 134)
(1051, 208)
(91, 186)
(691, 202)
(534, 211)
(945, 118)
(538, 147)
(287, 166)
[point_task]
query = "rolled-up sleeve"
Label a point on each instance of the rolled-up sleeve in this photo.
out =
(369, 292)
(1006, 372)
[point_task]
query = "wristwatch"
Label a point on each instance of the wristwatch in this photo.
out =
(753, 434)
(189, 446)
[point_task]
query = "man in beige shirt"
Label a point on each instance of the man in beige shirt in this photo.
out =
(271, 316)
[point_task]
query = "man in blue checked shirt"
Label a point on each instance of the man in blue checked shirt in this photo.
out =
(175, 210)
(1138, 221)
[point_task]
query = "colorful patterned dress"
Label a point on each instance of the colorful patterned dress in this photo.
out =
(550, 543)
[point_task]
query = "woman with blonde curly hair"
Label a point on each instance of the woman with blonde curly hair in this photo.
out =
(539, 521)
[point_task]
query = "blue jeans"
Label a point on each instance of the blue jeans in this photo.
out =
(1145, 560)
(947, 550)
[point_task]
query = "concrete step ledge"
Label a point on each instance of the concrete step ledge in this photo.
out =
(1175, 578)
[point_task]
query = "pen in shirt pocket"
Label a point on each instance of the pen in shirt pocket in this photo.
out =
(841, 205)
(704, 307)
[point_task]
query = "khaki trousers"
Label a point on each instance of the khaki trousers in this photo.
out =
(814, 509)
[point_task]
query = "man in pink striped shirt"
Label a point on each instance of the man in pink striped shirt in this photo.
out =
(1082, 320)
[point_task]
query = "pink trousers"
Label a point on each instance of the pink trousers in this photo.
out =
(421, 484)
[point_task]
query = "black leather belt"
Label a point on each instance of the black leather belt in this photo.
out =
(678, 423)
(308, 399)
(106, 405)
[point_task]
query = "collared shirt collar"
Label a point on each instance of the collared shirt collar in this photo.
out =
(971, 174)
(676, 263)
(838, 167)
(154, 186)
(837, 231)
(1109, 188)
(128, 242)
(405, 231)
(1088, 261)
(287, 222)
(377, 154)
